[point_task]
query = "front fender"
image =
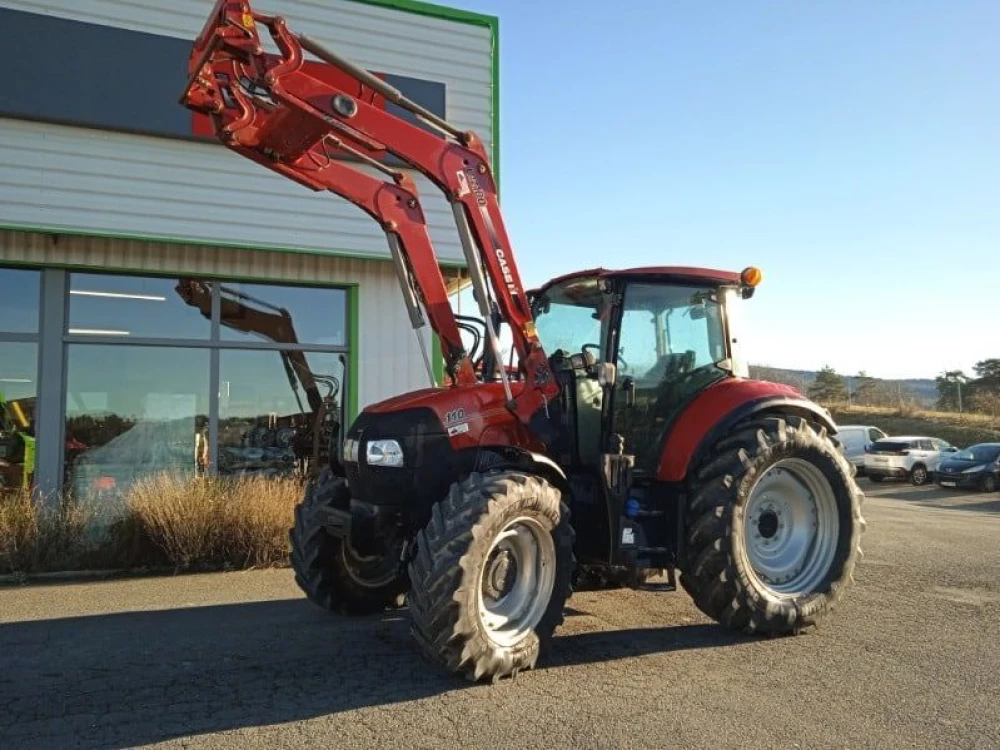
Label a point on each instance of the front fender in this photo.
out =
(714, 412)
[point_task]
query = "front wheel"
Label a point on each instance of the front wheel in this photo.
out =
(773, 526)
(329, 570)
(491, 574)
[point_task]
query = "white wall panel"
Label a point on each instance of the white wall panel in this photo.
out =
(67, 178)
(389, 360)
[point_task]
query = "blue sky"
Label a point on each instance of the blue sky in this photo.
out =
(849, 149)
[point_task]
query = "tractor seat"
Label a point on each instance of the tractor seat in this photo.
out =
(670, 366)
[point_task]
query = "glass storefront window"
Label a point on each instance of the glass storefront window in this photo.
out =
(19, 296)
(105, 306)
(133, 412)
(284, 315)
(277, 410)
(18, 389)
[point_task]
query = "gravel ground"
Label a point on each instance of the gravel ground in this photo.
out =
(911, 659)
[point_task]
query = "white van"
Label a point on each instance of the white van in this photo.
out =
(857, 439)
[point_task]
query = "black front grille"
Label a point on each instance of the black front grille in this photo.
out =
(430, 463)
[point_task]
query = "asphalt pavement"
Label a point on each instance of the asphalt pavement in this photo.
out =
(911, 659)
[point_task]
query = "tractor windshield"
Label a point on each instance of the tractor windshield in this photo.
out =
(670, 330)
(571, 316)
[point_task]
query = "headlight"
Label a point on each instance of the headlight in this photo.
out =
(383, 453)
(973, 469)
(350, 450)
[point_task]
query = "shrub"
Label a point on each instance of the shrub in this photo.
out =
(199, 521)
(37, 536)
(181, 522)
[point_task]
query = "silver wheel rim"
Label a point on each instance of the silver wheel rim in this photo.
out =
(516, 581)
(791, 528)
(919, 475)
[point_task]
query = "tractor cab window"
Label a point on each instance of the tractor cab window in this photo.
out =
(573, 317)
(671, 345)
(668, 330)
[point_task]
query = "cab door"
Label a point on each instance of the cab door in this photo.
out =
(669, 344)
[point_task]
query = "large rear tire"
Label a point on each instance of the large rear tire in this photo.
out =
(491, 574)
(332, 575)
(773, 526)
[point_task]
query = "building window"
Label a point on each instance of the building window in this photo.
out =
(19, 316)
(19, 295)
(132, 412)
(287, 315)
(277, 410)
(103, 306)
(18, 391)
(142, 354)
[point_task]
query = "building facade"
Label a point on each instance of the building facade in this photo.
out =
(165, 303)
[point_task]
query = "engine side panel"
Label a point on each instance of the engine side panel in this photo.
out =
(470, 416)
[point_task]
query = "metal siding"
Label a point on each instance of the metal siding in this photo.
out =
(94, 181)
(389, 360)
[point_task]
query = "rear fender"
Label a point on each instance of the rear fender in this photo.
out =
(712, 414)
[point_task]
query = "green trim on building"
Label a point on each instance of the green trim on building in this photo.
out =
(495, 59)
(353, 345)
(433, 10)
(437, 360)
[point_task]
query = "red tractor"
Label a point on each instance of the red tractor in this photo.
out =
(628, 449)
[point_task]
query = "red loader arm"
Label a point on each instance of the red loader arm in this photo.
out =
(267, 108)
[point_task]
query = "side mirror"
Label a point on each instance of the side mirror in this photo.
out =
(605, 373)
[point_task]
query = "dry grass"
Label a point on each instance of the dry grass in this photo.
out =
(195, 522)
(184, 523)
(958, 429)
(38, 537)
(258, 516)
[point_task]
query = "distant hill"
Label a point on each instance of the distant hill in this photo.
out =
(923, 391)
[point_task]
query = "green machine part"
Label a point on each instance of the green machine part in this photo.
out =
(12, 420)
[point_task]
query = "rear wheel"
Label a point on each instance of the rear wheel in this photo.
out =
(773, 526)
(332, 574)
(989, 483)
(918, 475)
(491, 574)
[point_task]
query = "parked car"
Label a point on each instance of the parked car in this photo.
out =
(976, 466)
(906, 457)
(856, 440)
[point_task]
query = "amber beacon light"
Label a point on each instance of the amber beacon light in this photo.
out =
(751, 276)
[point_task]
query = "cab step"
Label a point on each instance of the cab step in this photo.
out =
(669, 585)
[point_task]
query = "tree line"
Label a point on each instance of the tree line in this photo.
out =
(956, 391)
(979, 393)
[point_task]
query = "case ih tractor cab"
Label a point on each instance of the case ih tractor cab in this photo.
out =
(632, 447)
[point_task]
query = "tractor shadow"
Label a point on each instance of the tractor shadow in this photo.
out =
(135, 678)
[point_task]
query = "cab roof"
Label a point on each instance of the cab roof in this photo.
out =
(682, 274)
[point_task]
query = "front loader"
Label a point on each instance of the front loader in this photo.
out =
(626, 445)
